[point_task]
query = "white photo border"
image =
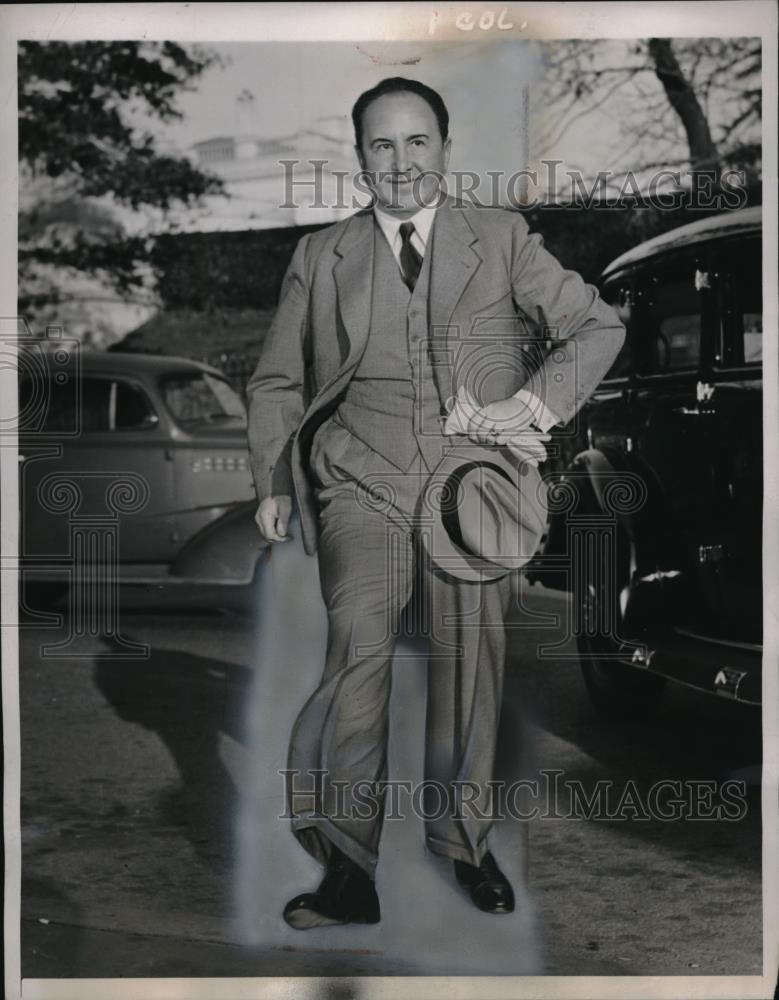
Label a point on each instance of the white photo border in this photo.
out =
(228, 22)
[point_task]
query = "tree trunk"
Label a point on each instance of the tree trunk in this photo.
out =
(703, 152)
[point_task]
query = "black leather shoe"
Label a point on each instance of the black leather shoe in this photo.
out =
(488, 886)
(346, 895)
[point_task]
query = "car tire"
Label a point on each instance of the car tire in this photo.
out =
(616, 690)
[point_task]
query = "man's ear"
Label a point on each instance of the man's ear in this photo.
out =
(446, 153)
(360, 157)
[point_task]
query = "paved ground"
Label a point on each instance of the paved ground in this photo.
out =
(134, 772)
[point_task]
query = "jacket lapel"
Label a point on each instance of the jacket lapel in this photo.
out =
(353, 275)
(454, 263)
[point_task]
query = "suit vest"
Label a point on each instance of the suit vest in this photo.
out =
(392, 403)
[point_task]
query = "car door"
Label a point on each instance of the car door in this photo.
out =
(669, 415)
(120, 438)
(607, 416)
(731, 567)
(209, 450)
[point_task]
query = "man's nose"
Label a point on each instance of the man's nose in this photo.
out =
(400, 161)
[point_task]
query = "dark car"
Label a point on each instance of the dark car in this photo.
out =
(657, 517)
(142, 451)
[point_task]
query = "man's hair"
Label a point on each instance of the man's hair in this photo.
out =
(400, 85)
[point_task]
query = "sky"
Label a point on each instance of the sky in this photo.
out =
(294, 84)
(493, 88)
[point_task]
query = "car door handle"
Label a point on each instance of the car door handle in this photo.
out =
(694, 411)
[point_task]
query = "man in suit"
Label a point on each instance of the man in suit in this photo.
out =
(386, 322)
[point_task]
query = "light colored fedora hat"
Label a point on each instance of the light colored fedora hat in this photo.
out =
(484, 512)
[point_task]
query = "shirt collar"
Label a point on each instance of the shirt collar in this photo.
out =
(390, 224)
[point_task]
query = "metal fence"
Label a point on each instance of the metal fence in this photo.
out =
(235, 367)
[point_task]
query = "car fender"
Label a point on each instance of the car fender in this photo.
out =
(598, 481)
(600, 470)
(623, 486)
(626, 488)
(225, 551)
(595, 479)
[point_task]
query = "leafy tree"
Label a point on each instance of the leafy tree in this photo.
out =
(88, 160)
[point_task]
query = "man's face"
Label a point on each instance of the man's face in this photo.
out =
(402, 147)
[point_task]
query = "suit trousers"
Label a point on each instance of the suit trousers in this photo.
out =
(370, 564)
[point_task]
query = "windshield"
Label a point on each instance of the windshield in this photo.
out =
(202, 398)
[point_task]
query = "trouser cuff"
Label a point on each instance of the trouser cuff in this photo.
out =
(316, 834)
(457, 852)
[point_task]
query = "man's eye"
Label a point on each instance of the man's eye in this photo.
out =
(417, 142)
(382, 145)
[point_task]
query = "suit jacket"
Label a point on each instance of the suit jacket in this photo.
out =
(490, 278)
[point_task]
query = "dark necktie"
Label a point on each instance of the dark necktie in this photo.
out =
(410, 259)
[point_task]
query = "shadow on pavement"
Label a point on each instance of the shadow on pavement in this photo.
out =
(187, 700)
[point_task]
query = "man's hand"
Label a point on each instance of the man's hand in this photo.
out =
(505, 418)
(507, 422)
(272, 517)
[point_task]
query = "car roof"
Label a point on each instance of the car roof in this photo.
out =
(711, 228)
(126, 362)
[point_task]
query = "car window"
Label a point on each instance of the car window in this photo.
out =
(130, 408)
(105, 405)
(64, 412)
(200, 397)
(741, 268)
(619, 294)
(95, 404)
(672, 320)
(49, 406)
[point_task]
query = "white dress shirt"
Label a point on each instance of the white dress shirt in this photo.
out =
(390, 226)
(423, 223)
